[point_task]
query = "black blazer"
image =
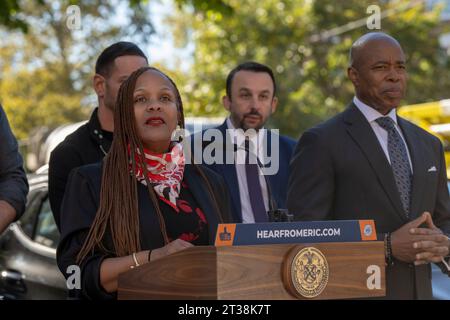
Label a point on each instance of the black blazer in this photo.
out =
(339, 171)
(80, 205)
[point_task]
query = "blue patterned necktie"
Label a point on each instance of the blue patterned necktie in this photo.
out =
(399, 161)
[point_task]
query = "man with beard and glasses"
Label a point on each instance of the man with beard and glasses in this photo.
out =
(91, 142)
(251, 100)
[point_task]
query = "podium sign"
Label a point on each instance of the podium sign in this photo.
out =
(295, 232)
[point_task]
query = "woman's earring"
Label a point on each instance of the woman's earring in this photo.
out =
(178, 134)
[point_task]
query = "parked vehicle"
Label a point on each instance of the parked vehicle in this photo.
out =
(28, 267)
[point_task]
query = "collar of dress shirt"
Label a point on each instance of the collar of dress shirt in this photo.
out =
(370, 113)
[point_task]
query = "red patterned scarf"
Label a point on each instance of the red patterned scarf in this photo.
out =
(165, 173)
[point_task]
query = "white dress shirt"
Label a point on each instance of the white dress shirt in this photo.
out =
(371, 115)
(246, 208)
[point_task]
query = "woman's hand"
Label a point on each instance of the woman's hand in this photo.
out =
(112, 267)
(170, 248)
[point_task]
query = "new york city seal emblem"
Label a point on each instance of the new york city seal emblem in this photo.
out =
(309, 272)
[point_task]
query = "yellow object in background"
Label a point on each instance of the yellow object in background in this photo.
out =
(433, 117)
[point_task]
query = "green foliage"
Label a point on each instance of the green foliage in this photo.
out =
(9, 10)
(46, 72)
(31, 103)
(311, 74)
(46, 69)
(208, 6)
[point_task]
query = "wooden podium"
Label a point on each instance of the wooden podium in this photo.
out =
(259, 272)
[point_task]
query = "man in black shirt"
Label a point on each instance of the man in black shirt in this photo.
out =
(91, 142)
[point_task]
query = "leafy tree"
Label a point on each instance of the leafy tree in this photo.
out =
(310, 65)
(46, 67)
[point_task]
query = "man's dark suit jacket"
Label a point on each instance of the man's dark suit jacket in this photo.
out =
(277, 182)
(339, 171)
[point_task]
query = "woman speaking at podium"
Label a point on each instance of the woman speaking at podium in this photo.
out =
(143, 202)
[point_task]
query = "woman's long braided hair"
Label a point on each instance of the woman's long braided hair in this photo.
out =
(118, 208)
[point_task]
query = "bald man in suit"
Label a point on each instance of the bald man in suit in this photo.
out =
(368, 163)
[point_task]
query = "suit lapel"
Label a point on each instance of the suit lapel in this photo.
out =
(271, 179)
(415, 151)
(223, 128)
(360, 130)
(228, 173)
